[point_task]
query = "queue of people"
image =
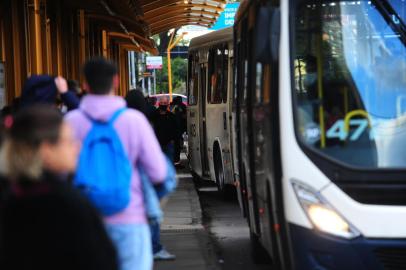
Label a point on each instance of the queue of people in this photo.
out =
(83, 191)
(169, 122)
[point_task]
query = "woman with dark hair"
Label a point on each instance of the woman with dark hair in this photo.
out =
(135, 100)
(44, 222)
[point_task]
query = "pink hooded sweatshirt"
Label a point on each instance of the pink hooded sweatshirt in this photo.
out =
(139, 141)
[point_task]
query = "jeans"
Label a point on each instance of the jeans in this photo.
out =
(133, 245)
(156, 236)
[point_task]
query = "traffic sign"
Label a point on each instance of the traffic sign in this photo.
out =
(154, 62)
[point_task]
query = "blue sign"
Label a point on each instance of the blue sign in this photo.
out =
(227, 17)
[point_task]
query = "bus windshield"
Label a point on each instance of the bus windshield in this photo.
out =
(350, 80)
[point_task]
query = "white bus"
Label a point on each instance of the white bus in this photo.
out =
(321, 131)
(209, 107)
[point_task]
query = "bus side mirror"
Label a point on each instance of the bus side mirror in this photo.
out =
(267, 35)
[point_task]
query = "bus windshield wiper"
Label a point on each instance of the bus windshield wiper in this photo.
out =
(392, 18)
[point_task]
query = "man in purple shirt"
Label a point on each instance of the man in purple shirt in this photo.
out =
(128, 229)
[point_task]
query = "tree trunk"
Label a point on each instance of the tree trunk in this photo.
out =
(164, 38)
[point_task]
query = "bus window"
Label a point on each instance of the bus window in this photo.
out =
(189, 76)
(216, 75)
(267, 78)
(258, 84)
(193, 86)
(210, 67)
(349, 82)
(224, 88)
(263, 84)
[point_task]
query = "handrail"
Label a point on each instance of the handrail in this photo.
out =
(351, 114)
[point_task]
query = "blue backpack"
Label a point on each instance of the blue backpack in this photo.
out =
(104, 170)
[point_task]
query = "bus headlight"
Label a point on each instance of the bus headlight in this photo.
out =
(322, 215)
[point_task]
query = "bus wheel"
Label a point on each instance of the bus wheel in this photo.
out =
(227, 191)
(219, 170)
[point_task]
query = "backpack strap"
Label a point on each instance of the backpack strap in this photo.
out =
(116, 115)
(87, 116)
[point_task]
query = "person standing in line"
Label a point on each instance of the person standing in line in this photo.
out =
(44, 222)
(151, 109)
(128, 228)
(166, 128)
(135, 100)
(179, 110)
(68, 93)
(44, 89)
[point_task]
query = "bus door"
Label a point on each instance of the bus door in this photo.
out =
(246, 129)
(203, 127)
(238, 83)
(193, 109)
(234, 131)
(266, 141)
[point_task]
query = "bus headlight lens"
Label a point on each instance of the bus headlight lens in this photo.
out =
(327, 220)
(322, 215)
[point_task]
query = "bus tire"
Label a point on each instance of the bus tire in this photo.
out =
(227, 191)
(218, 168)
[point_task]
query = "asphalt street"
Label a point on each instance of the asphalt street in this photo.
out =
(228, 230)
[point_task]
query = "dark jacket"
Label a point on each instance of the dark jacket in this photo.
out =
(166, 127)
(181, 114)
(38, 89)
(49, 225)
(71, 100)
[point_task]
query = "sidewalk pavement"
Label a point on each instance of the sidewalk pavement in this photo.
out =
(182, 232)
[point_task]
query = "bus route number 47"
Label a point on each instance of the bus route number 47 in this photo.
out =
(339, 131)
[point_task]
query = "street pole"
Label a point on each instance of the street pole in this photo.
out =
(170, 66)
(171, 45)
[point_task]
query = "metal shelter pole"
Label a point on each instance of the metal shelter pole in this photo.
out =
(170, 66)
(170, 47)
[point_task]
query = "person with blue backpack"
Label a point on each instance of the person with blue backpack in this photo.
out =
(115, 142)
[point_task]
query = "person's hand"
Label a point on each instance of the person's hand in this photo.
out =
(61, 85)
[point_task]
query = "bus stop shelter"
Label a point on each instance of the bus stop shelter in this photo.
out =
(56, 37)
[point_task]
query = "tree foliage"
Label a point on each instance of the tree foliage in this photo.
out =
(179, 75)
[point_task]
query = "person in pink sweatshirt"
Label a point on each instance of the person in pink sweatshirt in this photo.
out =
(129, 228)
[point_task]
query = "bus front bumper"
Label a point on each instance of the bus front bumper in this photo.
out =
(317, 251)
